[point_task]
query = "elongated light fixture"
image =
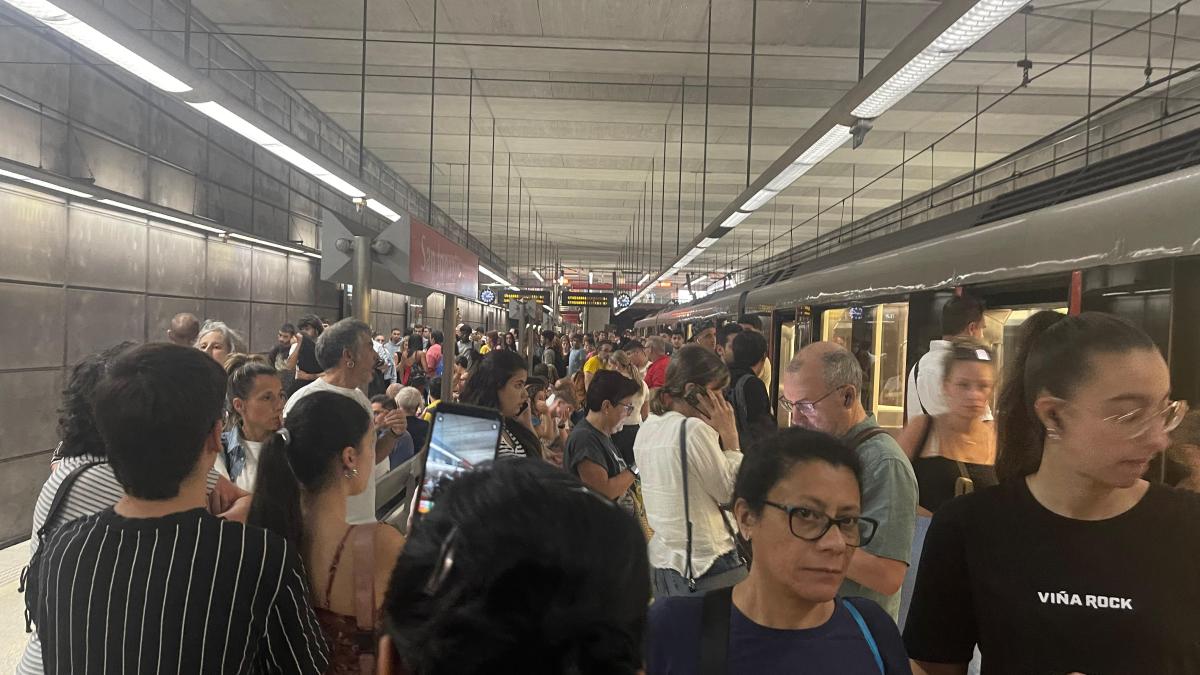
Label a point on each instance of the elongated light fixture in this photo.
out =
(269, 143)
(92, 39)
(383, 210)
(264, 242)
(499, 279)
(643, 279)
(825, 145)
(735, 219)
(44, 184)
(966, 31)
(166, 216)
(539, 276)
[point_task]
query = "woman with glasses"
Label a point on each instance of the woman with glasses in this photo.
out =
(1073, 563)
(798, 506)
(590, 453)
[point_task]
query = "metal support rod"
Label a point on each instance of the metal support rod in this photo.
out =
(449, 313)
(362, 278)
(470, 134)
(1087, 153)
(750, 112)
(862, 38)
(707, 86)
(432, 102)
(662, 204)
(187, 33)
(975, 149)
(903, 166)
(679, 184)
(507, 209)
(650, 218)
(492, 193)
(362, 94)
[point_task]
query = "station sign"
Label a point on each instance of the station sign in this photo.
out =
(585, 299)
(541, 297)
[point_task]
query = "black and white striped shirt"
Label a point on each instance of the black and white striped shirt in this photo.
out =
(185, 593)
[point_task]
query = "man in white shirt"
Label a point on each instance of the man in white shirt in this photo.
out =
(962, 316)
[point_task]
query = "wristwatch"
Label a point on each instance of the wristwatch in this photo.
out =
(634, 470)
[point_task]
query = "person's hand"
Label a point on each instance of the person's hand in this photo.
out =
(395, 418)
(720, 417)
(224, 496)
(240, 510)
(295, 339)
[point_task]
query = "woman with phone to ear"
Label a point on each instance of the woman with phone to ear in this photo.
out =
(1073, 563)
(499, 383)
(688, 454)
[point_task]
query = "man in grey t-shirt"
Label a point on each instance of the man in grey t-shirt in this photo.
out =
(821, 386)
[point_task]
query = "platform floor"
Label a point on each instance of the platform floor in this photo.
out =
(12, 606)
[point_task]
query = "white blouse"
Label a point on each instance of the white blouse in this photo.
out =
(711, 473)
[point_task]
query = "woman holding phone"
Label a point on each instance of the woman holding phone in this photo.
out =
(499, 383)
(688, 453)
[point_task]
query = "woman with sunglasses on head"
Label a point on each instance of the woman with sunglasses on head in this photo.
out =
(1073, 563)
(693, 548)
(798, 505)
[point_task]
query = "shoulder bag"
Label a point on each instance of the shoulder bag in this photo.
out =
(30, 575)
(688, 572)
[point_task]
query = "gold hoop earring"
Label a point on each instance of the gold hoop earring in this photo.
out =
(350, 363)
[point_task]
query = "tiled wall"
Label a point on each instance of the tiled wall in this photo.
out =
(75, 279)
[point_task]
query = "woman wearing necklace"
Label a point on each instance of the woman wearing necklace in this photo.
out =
(955, 452)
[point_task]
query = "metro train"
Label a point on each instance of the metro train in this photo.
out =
(1132, 250)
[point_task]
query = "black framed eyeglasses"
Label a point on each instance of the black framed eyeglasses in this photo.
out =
(810, 525)
(806, 407)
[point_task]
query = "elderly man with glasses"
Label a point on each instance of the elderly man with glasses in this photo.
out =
(821, 390)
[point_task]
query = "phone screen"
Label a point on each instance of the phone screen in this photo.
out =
(458, 443)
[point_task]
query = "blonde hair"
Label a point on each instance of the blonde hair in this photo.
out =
(619, 361)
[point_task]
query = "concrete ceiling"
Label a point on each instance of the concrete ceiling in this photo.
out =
(580, 93)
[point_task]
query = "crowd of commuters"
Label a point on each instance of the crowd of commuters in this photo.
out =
(212, 510)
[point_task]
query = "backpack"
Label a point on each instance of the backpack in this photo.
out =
(30, 576)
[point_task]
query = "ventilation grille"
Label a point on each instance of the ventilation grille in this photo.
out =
(1163, 157)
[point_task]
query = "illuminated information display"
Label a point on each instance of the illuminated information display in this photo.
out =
(541, 297)
(584, 299)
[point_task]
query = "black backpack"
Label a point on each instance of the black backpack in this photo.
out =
(30, 576)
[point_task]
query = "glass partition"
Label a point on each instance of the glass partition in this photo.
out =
(878, 337)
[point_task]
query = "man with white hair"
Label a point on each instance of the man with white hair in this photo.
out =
(410, 401)
(822, 390)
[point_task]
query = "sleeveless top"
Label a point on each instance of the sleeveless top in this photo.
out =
(352, 637)
(938, 477)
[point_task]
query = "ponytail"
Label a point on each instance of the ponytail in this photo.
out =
(242, 370)
(1053, 357)
(303, 458)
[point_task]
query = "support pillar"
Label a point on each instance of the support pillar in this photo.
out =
(449, 345)
(362, 279)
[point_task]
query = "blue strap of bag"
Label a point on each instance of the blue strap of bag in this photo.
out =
(862, 626)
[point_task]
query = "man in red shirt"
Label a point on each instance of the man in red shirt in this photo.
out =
(656, 374)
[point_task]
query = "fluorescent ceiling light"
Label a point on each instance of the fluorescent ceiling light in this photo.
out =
(100, 43)
(269, 143)
(822, 148)
(264, 242)
(514, 288)
(382, 210)
(643, 279)
(974, 24)
(706, 242)
(539, 276)
(735, 218)
(547, 308)
(764, 195)
(41, 183)
(164, 216)
(589, 278)
(493, 275)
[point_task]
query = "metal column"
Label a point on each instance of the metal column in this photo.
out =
(362, 279)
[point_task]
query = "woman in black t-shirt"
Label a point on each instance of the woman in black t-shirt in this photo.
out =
(1073, 563)
(797, 502)
(954, 453)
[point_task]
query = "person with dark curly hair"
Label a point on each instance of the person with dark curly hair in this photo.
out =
(507, 575)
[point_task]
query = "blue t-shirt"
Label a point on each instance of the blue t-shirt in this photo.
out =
(835, 648)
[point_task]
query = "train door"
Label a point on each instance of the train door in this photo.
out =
(1002, 330)
(794, 331)
(877, 335)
